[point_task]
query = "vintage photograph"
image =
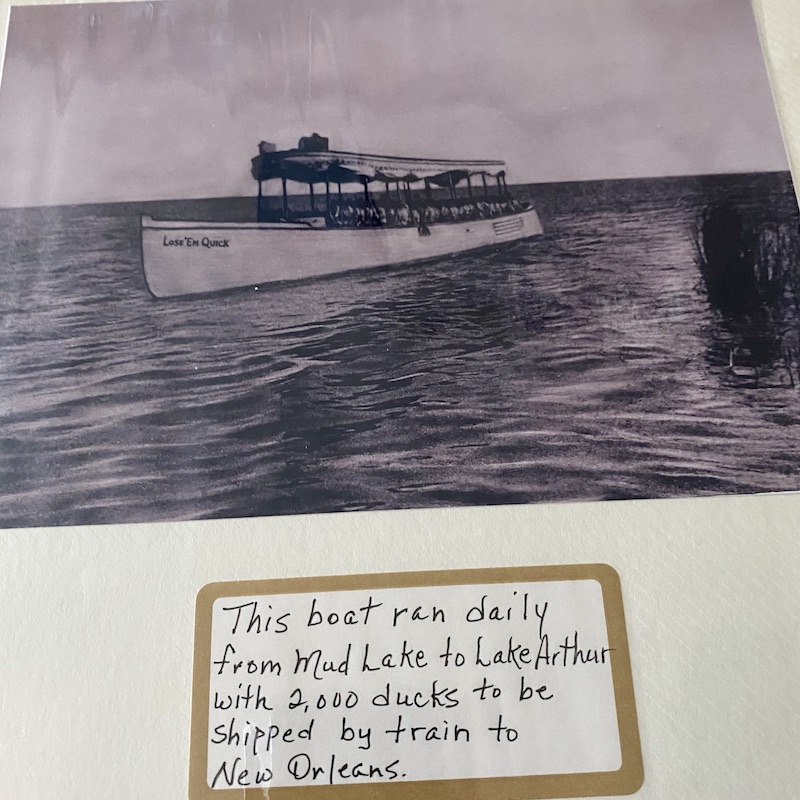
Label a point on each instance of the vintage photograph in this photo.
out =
(267, 257)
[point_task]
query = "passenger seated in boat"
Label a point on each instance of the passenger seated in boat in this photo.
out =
(335, 215)
(368, 216)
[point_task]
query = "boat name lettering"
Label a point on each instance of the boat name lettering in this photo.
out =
(188, 241)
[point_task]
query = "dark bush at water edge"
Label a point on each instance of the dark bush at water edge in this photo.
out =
(751, 271)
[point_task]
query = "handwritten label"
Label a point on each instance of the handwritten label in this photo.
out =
(396, 685)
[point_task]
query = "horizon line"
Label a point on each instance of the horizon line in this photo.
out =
(511, 185)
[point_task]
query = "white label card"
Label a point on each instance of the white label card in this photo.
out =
(404, 685)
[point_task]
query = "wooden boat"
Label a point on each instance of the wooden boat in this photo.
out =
(343, 232)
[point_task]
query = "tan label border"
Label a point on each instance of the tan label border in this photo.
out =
(627, 780)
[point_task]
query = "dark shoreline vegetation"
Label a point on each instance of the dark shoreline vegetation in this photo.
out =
(750, 265)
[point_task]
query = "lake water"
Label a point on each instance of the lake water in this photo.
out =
(587, 364)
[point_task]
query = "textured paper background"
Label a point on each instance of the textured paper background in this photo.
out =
(96, 623)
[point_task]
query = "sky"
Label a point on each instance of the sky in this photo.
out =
(138, 101)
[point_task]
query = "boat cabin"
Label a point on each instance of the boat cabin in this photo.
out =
(391, 187)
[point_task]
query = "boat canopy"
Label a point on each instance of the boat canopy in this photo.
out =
(312, 162)
(333, 166)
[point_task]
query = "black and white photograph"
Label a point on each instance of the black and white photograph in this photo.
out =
(266, 257)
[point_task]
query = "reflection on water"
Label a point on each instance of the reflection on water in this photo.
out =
(588, 364)
(755, 355)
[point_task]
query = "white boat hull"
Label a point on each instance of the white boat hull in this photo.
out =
(185, 258)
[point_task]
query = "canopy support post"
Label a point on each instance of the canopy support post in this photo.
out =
(499, 185)
(505, 185)
(469, 184)
(285, 199)
(366, 191)
(311, 193)
(399, 194)
(339, 184)
(258, 205)
(485, 186)
(327, 197)
(452, 185)
(428, 192)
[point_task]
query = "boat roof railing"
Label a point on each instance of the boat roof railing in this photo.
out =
(336, 166)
